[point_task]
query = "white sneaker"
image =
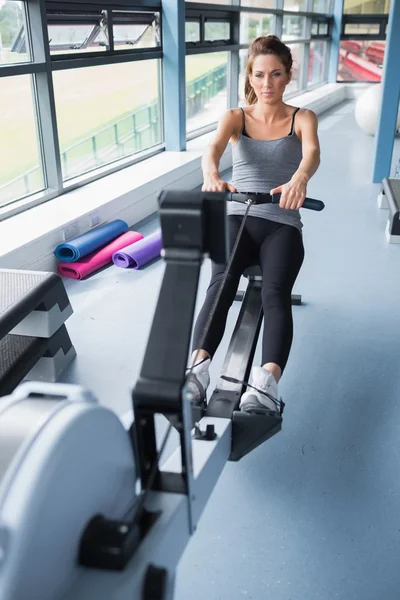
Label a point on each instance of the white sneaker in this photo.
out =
(254, 401)
(198, 380)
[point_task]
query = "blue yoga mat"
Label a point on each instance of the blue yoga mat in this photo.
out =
(90, 241)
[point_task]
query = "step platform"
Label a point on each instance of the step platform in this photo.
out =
(389, 197)
(34, 341)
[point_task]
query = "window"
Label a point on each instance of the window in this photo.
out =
(362, 29)
(258, 3)
(206, 89)
(253, 25)
(323, 29)
(366, 7)
(13, 45)
(297, 68)
(134, 29)
(192, 31)
(321, 6)
(216, 30)
(212, 1)
(361, 60)
(319, 27)
(21, 171)
(70, 33)
(294, 27)
(117, 115)
(316, 63)
(295, 5)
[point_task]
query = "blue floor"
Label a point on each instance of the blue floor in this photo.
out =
(314, 512)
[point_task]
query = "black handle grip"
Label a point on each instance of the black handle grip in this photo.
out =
(309, 203)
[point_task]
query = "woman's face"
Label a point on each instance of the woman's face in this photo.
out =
(268, 78)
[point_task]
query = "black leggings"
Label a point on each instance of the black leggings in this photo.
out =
(279, 251)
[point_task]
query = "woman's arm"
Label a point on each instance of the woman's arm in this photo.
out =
(210, 161)
(294, 192)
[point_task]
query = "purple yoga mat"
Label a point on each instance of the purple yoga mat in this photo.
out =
(140, 253)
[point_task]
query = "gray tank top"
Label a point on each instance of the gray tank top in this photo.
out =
(260, 166)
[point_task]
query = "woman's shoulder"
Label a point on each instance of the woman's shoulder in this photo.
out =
(233, 119)
(305, 115)
(234, 115)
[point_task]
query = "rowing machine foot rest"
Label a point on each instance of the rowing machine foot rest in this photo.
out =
(250, 431)
(197, 415)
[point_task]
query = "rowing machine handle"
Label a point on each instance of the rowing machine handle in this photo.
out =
(309, 203)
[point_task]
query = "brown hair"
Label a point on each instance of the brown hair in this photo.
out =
(269, 44)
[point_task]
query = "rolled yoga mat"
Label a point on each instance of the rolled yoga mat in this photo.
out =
(96, 260)
(139, 254)
(90, 241)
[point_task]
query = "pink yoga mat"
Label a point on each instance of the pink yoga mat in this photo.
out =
(98, 259)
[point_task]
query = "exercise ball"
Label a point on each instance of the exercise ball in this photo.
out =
(367, 109)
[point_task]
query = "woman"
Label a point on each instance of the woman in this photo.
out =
(275, 148)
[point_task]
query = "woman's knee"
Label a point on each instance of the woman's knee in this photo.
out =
(232, 282)
(276, 296)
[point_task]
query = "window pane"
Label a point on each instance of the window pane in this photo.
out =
(362, 29)
(316, 63)
(323, 29)
(321, 6)
(371, 7)
(212, 1)
(106, 113)
(214, 31)
(192, 31)
(76, 38)
(314, 28)
(361, 60)
(13, 42)
(259, 3)
(21, 173)
(134, 29)
(297, 68)
(295, 5)
(253, 25)
(206, 89)
(294, 27)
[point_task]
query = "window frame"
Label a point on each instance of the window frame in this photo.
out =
(355, 19)
(43, 64)
(41, 67)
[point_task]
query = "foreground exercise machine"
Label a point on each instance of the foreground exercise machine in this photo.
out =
(86, 509)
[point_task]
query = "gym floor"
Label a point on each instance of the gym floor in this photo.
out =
(315, 511)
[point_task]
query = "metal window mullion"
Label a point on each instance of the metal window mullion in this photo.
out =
(103, 4)
(335, 40)
(233, 79)
(327, 54)
(110, 59)
(110, 29)
(46, 110)
(202, 28)
(306, 54)
(234, 63)
(22, 69)
(306, 58)
(211, 49)
(279, 25)
(174, 74)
